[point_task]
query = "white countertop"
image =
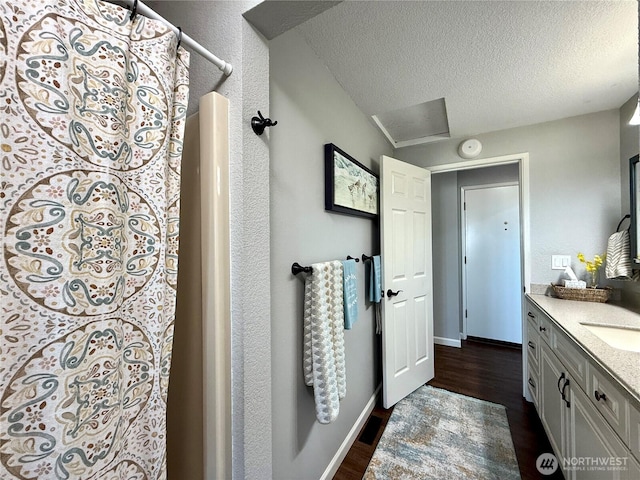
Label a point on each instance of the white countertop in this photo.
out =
(622, 365)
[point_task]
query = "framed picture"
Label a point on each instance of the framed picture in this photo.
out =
(350, 187)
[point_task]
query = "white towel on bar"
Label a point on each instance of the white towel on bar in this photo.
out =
(323, 350)
(618, 260)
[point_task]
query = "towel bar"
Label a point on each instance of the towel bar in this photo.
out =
(349, 257)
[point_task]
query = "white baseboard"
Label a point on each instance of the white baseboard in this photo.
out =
(337, 459)
(463, 336)
(449, 342)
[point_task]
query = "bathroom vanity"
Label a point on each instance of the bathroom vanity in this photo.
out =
(583, 369)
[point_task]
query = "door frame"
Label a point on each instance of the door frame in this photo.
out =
(463, 239)
(522, 159)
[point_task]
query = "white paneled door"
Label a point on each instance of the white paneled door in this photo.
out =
(407, 314)
(493, 283)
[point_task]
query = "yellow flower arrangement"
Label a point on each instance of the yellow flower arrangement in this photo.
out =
(593, 266)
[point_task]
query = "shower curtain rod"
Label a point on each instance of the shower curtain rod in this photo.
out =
(226, 67)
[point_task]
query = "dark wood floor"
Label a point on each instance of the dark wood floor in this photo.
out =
(480, 370)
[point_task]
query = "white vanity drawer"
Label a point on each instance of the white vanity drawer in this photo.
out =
(634, 431)
(545, 329)
(532, 315)
(571, 357)
(539, 321)
(609, 401)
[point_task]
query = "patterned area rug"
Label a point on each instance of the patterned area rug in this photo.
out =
(436, 434)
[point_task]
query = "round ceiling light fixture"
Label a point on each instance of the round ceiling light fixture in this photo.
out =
(470, 148)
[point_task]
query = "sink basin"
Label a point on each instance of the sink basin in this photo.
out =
(621, 338)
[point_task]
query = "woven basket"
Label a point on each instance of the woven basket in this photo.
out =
(600, 295)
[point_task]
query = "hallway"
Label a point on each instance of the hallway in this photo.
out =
(486, 371)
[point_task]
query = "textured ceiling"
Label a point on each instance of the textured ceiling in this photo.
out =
(498, 64)
(273, 17)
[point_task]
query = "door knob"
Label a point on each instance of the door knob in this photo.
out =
(391, 293)
(600, 396)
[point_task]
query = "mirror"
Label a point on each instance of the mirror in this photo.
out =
(634, 176)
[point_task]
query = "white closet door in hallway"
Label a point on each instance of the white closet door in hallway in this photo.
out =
(492, 262)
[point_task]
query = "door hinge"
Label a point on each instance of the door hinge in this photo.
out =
(464, 206)
(465, 314)
(465, 259)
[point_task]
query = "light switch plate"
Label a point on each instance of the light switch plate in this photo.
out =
(560, 262)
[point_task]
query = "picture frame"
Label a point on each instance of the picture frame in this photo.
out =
(350, 187)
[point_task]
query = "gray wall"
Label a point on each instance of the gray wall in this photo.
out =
(575, 194)
(220, 27)
(312, 109)
(446, 255)
(487, 176)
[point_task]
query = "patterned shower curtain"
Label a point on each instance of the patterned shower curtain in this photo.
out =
(92, 109)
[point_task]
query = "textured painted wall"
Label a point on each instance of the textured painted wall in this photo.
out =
(446, 255)
(574, 182)
(312, 109)
(220, 27)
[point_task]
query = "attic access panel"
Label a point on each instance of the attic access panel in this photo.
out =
(422, 123)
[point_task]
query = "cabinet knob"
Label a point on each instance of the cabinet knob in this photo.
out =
(600, 396)
(532, 345)
(529, 314)
(543, 329)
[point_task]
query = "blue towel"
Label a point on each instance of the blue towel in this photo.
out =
(350, 293)
(375, 280)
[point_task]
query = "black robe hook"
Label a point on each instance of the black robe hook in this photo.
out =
(259, 123)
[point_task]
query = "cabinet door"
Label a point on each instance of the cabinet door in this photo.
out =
(633, 472)
(554, 411)
(533, 379)
(592, 442)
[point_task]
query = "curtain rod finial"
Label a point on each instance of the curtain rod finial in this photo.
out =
(227, 68)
